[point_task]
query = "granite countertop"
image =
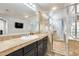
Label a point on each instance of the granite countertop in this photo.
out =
(9, 46)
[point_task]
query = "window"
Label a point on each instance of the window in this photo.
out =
(75, 30)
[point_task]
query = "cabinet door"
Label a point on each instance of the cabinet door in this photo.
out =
(32, 52)
(40, 52)
(44, 48)
(45, 40)
(16, 53)
(40, 48)
(29, 47)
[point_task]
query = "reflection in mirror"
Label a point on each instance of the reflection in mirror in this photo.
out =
(75, 29)
(2, 27)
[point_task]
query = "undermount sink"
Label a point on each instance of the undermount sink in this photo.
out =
(29, 37)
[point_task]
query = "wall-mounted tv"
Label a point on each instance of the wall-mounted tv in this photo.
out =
(18, 25)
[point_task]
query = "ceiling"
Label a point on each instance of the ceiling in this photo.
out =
(15, 9)
(20, 10)
(46, 7)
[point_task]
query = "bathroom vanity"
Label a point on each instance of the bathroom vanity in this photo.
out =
(23, 47)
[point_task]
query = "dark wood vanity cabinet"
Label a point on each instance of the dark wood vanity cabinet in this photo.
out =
(40, 48)
(29, 47)
(45, 40)
(16, 53)
(37, 48)
(30, 50)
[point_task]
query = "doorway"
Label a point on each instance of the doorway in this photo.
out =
(3, 26)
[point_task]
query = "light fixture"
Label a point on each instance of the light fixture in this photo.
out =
(54, 8)
(26, 16)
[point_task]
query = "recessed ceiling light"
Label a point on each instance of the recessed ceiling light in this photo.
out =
(54, 8)
(26, 16)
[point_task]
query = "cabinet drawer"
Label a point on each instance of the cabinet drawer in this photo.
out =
(40, 41)
(32, 52)
(45, 42)
(45, 39)
(16, 53)
(29, 47)
(40, 46)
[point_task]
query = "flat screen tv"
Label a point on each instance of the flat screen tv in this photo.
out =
(18, 25)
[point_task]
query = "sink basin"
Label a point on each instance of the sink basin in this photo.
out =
(29, 37)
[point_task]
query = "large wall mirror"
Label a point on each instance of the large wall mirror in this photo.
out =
(13, 26)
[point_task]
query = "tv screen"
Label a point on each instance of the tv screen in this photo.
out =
(18, 25)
